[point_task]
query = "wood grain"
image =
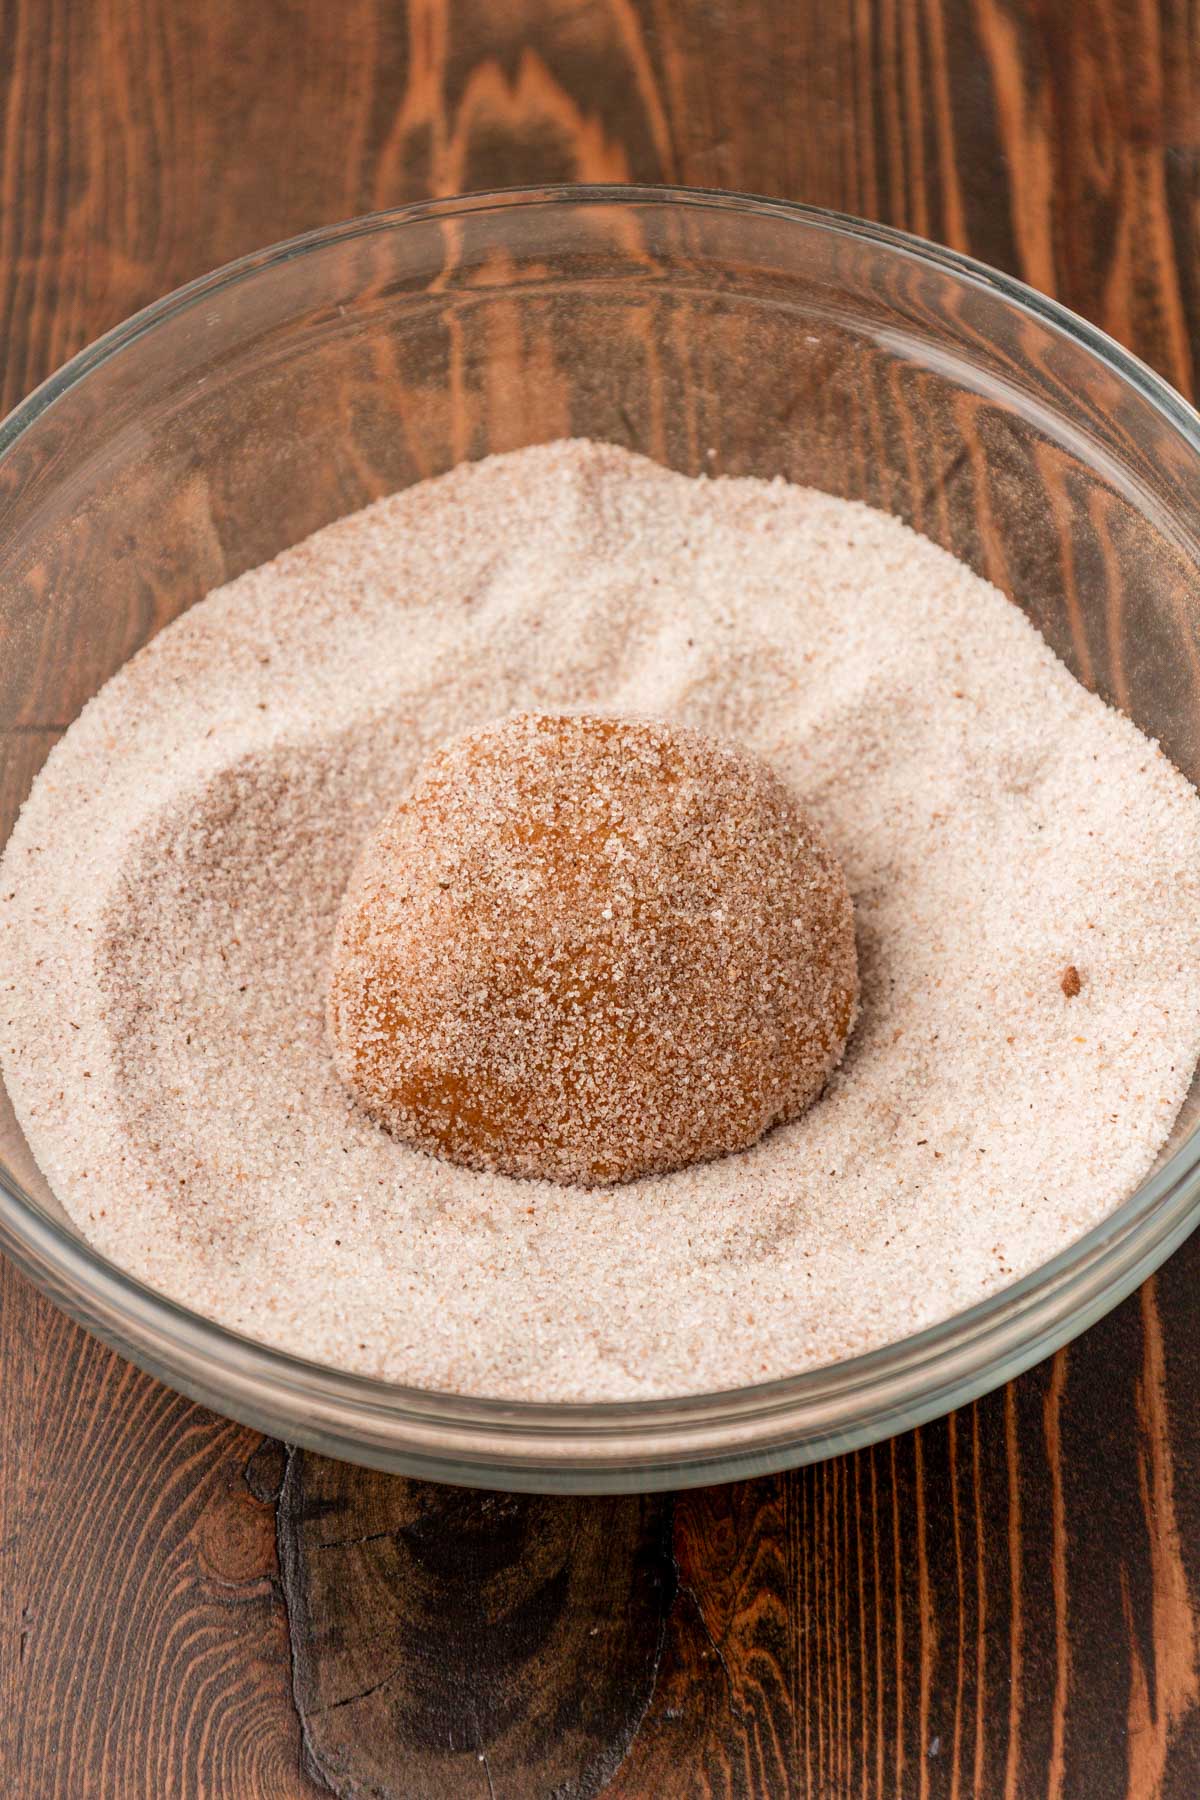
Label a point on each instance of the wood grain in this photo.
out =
(1004, 1604)
(1000, 1604)
(143, 1648)
(447, 1642)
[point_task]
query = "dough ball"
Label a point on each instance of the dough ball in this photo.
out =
(587, 949)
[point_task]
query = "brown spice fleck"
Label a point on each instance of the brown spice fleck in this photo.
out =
(1071, 983)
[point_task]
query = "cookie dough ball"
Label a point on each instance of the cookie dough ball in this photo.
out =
(587, 949)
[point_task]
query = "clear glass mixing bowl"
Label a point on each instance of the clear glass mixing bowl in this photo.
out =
(718, 334)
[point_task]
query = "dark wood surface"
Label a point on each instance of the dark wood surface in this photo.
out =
(1000, 1606)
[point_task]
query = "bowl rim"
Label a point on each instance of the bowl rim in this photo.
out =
(633, 1444)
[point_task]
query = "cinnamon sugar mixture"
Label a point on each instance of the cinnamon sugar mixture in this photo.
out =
(1025, 868)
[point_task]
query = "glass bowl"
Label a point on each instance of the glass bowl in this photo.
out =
(716, 333)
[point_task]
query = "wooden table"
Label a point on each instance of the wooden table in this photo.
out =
(1003, 1604)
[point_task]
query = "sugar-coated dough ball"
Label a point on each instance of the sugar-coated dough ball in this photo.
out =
(588, 948)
